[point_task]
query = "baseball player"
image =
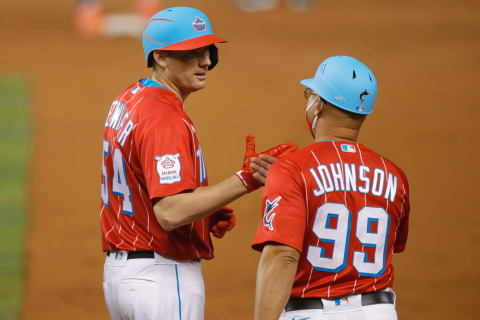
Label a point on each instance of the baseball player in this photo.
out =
(156, 208)
(333, 213)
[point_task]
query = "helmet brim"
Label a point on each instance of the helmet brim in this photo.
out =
(195, 43)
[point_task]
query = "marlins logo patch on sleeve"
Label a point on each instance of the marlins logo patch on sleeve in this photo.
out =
(168, 168)
(269, 215)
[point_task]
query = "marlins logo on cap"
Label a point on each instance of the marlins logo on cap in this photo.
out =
(199, 24)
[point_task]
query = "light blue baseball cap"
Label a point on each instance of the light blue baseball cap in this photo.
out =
(346, 83)
(178, 28)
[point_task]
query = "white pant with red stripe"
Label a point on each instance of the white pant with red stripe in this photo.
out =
(159, 288)
(353, 310)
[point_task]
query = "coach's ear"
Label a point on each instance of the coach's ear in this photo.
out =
(160, 58)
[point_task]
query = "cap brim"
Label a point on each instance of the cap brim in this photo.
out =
(195, 43)
(307, 82)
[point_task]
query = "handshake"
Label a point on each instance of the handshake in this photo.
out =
(252, 175)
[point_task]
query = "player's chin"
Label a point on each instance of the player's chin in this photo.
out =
(198, 84)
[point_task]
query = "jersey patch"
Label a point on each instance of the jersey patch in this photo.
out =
(135, 90)
(168, 168)
(348, 148)
(269, 215)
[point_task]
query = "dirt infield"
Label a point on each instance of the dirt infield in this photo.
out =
(426, 57)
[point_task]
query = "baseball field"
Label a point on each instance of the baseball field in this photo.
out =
(426, 58)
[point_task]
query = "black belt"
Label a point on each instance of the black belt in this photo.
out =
(316, 303)
(137, 254)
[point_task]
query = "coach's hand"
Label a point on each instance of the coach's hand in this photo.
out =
(261, 165)
(255, 166)
(222, 221)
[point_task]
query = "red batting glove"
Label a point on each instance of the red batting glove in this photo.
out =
(222, 221)
(246, 174)
(281, 150)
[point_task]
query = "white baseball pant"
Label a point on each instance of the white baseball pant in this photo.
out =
(153, 288)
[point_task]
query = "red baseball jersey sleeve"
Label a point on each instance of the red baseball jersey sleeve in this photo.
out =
(150, 150)
(345, 209)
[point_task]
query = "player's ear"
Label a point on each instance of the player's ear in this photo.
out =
(160, 58)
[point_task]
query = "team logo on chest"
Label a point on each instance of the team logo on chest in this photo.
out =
(168, 168)
(269, 215)
(199, 24)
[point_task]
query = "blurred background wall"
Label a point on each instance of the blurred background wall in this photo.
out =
(426, 58)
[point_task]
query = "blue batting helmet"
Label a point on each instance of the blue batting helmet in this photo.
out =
(346, 83)
(178, 28)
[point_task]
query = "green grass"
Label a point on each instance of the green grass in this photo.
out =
(14, 155)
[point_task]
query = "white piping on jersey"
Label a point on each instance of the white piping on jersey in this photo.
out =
(396, 230)
(318, 240)
(106, 239)
(386, 174)
(146, 209)
(343, 173)
(131, 145)
(119, 209)
(363, 162)
(101, 211)
(150, 243)
(306, 194)
(132, 227)
(192, 132)
(106, 234)
(126, 102)
(365, 204)
(135, 249)
(344, 197)
(135, 105)
(121, 242)
(318, 162)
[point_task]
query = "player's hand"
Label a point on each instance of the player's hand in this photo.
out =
(253, 175)
(222, 221)
(261, 165)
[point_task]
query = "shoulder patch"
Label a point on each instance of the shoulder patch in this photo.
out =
(269, 215)
(168, 168)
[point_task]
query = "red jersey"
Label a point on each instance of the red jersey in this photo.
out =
(150, 150)
(345, 209)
